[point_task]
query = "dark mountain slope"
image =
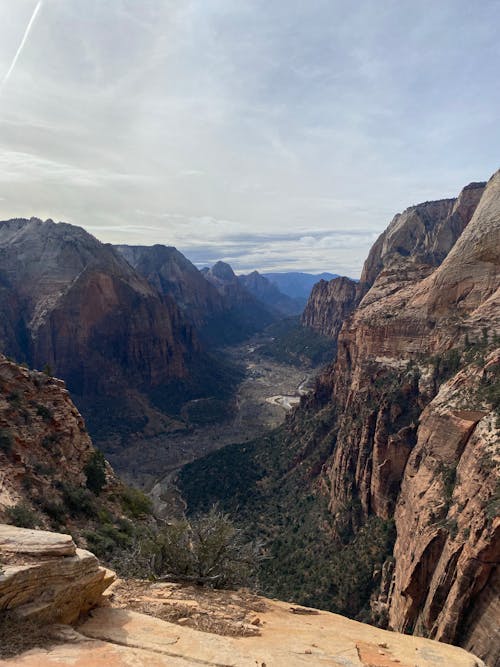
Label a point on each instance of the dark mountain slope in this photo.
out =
(78, 306)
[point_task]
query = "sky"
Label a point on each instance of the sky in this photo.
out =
(273, 134)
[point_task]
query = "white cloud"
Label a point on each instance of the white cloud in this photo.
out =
(198, 122)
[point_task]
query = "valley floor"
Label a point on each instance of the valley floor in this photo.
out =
(269, 390)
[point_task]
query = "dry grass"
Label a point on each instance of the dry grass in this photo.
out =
(228, 613)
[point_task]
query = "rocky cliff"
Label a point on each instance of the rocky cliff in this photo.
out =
(329, 305)
(53, 584)
(128, 354)
(401, 433)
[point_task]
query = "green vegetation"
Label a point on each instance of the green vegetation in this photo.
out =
(6, 440)
(22, 516)
(78, 501)
(44, 412)
(209, 377)
(207, 411)
(135, 503)
(295, 344)
(95, 472)
(266, 486)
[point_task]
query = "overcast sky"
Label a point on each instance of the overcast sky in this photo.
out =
(273, 134)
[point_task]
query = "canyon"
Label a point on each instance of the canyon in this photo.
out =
(393, 460)
(374, 488)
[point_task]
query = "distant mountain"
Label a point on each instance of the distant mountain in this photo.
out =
(298, 285)
(172, 273)
(214, 300)
(246, 314)
(128, 354)
(266, 291)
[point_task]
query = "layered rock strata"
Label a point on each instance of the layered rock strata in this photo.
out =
(46, 578)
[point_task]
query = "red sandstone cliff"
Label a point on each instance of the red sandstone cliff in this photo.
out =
(415, 387)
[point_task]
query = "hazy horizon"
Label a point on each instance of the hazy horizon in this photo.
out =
(274, 136)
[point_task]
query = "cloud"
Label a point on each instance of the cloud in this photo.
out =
(270, 133)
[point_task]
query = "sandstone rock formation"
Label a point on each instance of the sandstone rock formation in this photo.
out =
(58, 583)
(116, 635)
(329, 305)
(402, 430)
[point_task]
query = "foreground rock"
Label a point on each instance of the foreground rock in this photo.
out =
(287, 636)
(59, 585)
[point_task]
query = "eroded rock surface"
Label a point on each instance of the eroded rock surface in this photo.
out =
(329, 305)
(117, 636)
(45, 577)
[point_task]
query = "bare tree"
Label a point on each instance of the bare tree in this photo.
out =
(206, 550)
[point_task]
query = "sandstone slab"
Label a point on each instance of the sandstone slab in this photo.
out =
(15, 540)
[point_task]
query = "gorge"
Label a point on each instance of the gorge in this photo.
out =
(374, 488)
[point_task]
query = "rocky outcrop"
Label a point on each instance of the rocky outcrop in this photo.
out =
(281, 635)
(43, 436)
(423, 234)
(57, 584)
(329, 305)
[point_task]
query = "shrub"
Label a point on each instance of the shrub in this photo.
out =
(78, 500)
(6, 441)
(44, 412)
(135, 503)
(95, 471)
(22, 516)
(206, 550)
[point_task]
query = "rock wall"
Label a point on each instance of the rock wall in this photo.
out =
(415, 390)
(330, 303)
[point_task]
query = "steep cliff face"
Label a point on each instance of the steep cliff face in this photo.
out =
(424, 234)
(77, 305)
(329, 305)
(447, 517)
(402, 429)
(172, 273)
(74, 293)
